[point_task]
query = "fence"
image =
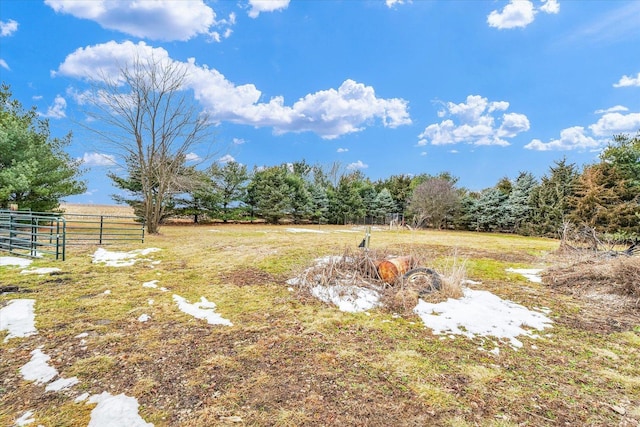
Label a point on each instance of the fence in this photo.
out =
(42, 233)
(32, 234)
(103, 229)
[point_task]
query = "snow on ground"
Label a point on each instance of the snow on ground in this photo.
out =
(41, 271)
(532, 274)
(305, 230)
(352, 299)
(201, 310)
(14, 261)
(25, 419)
(346, 297)
(481, 313)
(18, 317)
(38, 368)
(121, 259)
(115, 411)
(39, 371)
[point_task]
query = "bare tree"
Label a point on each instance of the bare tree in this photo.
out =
(433, 201)
(150, 120)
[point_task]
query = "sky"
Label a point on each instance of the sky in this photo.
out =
(480, 89)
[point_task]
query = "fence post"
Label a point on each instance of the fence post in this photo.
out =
(101, 224)
(34, 237)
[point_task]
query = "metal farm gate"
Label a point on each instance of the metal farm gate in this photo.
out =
(32, 234)
(36, 234)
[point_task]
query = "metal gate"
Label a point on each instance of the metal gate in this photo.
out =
(32, 234)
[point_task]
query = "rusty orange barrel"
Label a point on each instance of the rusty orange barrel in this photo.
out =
(390, 269)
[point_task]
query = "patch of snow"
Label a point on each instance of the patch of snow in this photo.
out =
(37, 369)
(18, 317)
(151, 284)
(532, 274)
(107, 292)
(481, 313)
(351, 299)
(81, 398)
(115, 411)
(61, 384)
(82, 335)
(201, 310)
(14, 261)
(25, 419)
(41, 271)
(305, 230)
(120, 259)
(143, 318)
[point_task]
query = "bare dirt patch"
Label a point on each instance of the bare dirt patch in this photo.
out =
(247, 277)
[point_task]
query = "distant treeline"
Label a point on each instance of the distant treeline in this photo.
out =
(604, 196)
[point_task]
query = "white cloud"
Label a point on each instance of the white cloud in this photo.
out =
(342, 150)
(104, 61)
(550, 6)
(615, 109)
(614, 123)
(391, 3)
(157, 20)
(520, 13)
(570, 139)
(329, 113)
(4, 64)
(474, 124)
(238, 141)
(357, 165)
(57, 110)
(98, 159)
(626, 81)
(8, 28)
(258, 6)
(598, 134)
(192, 157)
(227, 158)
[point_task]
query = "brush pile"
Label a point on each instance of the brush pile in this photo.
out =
(614, 280)
(398, 281)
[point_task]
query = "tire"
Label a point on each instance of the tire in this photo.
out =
(426, 279)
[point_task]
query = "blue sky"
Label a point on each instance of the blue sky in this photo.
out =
(481, 89)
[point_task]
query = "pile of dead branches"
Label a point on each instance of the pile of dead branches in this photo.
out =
(596, 277)
(357, 268)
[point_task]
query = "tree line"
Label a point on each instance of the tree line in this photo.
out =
(604, 196)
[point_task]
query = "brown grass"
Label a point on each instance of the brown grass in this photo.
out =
(290, 360)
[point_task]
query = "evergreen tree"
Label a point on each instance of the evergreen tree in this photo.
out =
(35, 171)
(608, 193)
(489, 210)
(228, 182)
(399, 186)
(269, 193)
(319, 203)
(550, 200)
(299, 197)
(518, 206)
(384, 204)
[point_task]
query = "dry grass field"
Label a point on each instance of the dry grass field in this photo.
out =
(292, 360)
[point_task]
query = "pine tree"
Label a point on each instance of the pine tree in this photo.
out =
(35, 171)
